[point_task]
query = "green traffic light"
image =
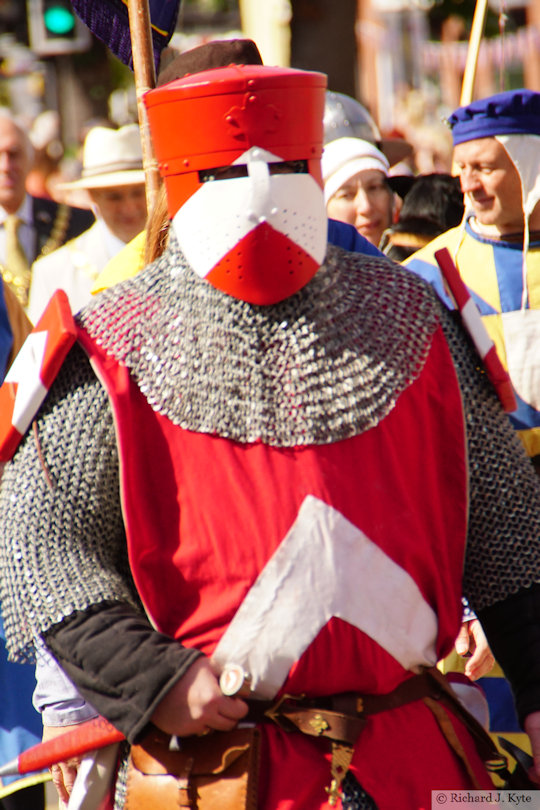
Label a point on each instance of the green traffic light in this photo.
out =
(59, 20)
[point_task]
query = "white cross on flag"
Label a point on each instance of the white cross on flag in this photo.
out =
(31, 375)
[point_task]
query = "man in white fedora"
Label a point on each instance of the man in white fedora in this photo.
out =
(113, 176)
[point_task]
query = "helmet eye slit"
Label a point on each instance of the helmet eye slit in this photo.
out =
(289, 167)
(223, 173)
(241, 170)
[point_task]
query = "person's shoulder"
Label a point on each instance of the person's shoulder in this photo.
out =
(54, 258)
(376, 284)
(373, 271)
(344, 235)
(448, 239)
(49, 213)
(125, 264)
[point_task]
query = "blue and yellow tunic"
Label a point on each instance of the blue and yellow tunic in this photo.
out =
(508, 297)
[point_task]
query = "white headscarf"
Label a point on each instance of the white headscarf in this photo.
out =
(343, 158)
(524, 152)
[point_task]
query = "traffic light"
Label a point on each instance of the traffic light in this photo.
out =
(54, 28)
(59, 20)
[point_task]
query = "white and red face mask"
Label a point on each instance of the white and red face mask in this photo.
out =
(259, 236)
(243, 177)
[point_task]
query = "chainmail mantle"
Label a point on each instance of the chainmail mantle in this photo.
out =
(321, 366)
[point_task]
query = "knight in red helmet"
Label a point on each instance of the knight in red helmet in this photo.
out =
(247, 206)
(260, 484)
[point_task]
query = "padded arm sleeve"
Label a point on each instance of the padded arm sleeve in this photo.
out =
(119, 663)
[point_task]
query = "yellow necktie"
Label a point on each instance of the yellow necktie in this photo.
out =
(16, 271)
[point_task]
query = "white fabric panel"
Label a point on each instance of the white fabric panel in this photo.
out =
(522, 343)
(325, 567)
(222, 212)
(25, 371)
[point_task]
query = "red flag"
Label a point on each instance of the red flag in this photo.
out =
(31, 375)
(472, 320)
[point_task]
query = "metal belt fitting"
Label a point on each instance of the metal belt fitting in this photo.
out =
(340, 718)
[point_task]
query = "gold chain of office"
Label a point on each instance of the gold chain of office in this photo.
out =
(20, 282)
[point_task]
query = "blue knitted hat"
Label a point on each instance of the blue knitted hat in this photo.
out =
(514, 112)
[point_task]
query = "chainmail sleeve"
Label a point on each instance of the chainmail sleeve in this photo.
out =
(62, 540)
(502, 565)
(503, 553)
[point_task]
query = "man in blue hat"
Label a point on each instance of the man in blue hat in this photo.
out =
(497, 246)
(497, 251)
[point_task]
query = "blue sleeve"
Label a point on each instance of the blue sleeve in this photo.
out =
(55, 696)
(6, 335)
(431, 274)
(347, 237)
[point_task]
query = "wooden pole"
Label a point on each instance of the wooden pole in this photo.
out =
(145, 79)
(477, 29)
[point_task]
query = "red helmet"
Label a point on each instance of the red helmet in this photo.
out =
(239, 149)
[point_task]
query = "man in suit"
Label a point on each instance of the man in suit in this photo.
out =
(41, 225)
(113, 176)
(14, 327)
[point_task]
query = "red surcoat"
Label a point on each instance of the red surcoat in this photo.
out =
(206, 519)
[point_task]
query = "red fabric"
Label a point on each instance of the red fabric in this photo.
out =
(264, 267)
(58, 324)
(205, 514)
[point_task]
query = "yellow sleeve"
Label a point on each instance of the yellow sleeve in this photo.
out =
(125, 264)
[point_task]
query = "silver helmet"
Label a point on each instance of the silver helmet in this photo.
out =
(345, 117)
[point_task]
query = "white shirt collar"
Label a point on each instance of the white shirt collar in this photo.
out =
(24, 212)
(112, 243)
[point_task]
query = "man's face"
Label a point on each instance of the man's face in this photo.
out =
(123, 209)
(15, 163)
(491, 182)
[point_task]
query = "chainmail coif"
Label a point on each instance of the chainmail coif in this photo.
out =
(320, 366)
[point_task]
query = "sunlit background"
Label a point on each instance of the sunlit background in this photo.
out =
(404, 59)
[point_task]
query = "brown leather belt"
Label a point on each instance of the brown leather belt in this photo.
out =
(343, 716)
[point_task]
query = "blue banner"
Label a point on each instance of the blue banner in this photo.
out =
(108, 20)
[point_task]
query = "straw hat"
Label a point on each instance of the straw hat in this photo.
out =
(111, 157)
